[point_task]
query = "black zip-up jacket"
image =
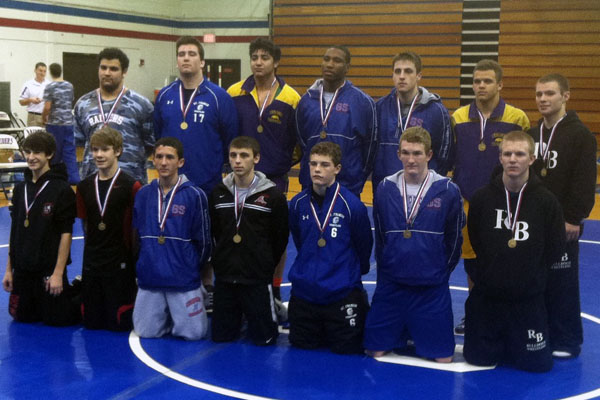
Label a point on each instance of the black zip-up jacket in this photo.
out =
(263, 228)
(571, 175)
(35, 248)
(514, 273)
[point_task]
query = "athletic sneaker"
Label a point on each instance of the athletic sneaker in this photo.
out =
(460, 328)
(281, 311)
(208, 291)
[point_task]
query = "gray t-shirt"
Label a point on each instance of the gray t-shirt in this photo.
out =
(61, 96)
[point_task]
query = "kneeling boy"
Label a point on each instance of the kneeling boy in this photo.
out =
(43, 211)
(332, 233)
(418, 220)
(171, 219)
(105, 205)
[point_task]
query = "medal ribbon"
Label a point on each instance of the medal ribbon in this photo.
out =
(410, 110)
(189, 103)
(328, 216)
(482, 123)
(264, 104)
(546, 153)
(325, 118)
(162, 218)
(412, 213)
(106, 118)
(512, 222)
(239, 211)
(28, 206)
(102, 207)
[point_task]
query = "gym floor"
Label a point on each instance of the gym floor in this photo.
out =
(54, 363)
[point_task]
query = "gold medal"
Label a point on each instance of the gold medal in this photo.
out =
(237, 238)
(184, 125)
(323, 134)
(161, 239)
(481, 146)
(512, 243)
(321, 242)
(260, 129)
(26, 223)
(544, 172)
(407, 234)
(101, 226)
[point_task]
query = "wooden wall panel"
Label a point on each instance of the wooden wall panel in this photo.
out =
(374, 31)
(538, 38)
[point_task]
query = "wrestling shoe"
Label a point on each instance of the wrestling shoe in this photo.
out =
(281, 311)
(460, 328)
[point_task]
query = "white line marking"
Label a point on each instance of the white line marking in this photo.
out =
(140, 353)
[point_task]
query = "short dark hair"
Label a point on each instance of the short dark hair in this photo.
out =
(330, 149)
(246, 142)
(40, 64)
(416, 134)
(40, 141)
(169, 141)
(267, 45)
(563, 83)
(107, 136)
(190, 40)
(489, 65)
(519, 136)
(113, 53)
(344, 49)
(55, 70)
(409, 56)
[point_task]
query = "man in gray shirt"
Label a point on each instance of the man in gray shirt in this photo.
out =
(58, 117)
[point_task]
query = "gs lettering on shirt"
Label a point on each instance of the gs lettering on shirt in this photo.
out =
(342, 107)
(521, 230)
(96, 119)
(552, 156)
(178, 209)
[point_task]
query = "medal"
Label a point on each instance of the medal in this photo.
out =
(106, 118)
(545, 153)
(481, 146)
(102, 207)
(28, 206)
(328, 108)
(411, 214)
(238, 209)
(482, 125)
(322, 227)
(512, 220)
(404, 125)
(184, 111)
(162, 216)
(237, 238)
(260, 128)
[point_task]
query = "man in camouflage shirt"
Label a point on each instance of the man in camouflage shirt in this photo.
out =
(122, 109)
(58, 117)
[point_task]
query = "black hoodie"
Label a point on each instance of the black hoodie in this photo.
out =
(514, 273)
(35, 248)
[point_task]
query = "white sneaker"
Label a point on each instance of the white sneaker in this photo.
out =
(561, 354)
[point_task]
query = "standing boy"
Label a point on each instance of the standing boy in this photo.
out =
(418, 221)
(43, 212)
(105, 205)
(32, 95)
(517, 231)
(332, 233)
(566, 155)
(250, 230)
(171, 219)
